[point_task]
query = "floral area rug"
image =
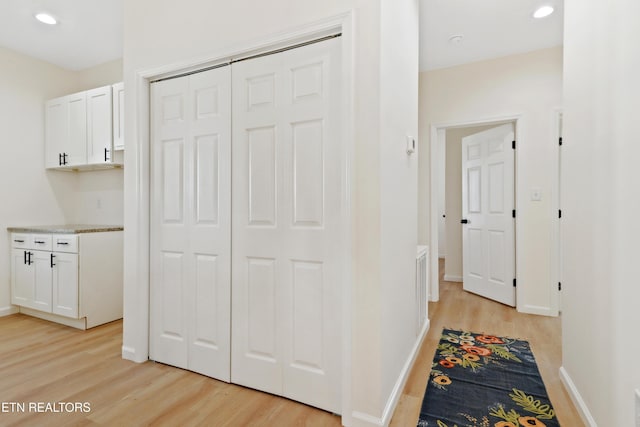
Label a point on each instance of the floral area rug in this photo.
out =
(485, 381)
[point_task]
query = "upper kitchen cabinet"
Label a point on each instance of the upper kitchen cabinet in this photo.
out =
(80, 131)
(99, 126)
(66, 131)
(118, 116)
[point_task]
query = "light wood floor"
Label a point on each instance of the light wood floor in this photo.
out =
(45, 362)
(461, 310)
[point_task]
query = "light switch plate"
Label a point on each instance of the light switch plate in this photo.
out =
(411, 145)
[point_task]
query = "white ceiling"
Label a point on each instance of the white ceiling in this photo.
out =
(491, 29)
(90, 31)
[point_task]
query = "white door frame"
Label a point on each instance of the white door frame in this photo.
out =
(437, 131)
(138, 152)
(556, 250)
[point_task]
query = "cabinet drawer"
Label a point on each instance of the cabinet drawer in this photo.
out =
(65, 243)
(41, 242)
(19, 240)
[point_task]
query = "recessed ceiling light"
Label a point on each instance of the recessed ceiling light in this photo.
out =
(543, 11)
(45, 18)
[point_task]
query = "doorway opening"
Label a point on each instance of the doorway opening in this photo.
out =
(470, 238)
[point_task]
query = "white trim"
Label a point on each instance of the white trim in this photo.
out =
(67, 321)
(452, 278)
(518, 120)
(9, 310)
(362, 419)
(130, 354)
(137, 349)
(537, 309)
(577, 399)
(396, 393)
(555, 273)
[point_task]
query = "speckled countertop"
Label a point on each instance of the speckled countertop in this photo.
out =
(66, 229)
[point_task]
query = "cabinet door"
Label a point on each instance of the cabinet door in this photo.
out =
(65, 284)
(99, 127)
(75, 145)
(56, 131)
(41, 270)
(22, 278)
(118, 116)
(31, 279)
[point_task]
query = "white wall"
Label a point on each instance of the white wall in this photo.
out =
(601, 207)
(453, 202)
(530, 85)
(160, 34)
(398, 184)
(31, 195)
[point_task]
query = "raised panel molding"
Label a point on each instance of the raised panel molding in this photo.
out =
(307, 82)
(261, 92)
(206, 297)
(172, 282)
(207, 179)
(308, 173)
(308, 313)
(261, 313)
(173, 175)
(262, 176)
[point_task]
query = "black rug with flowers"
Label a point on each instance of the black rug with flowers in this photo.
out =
(485, 381)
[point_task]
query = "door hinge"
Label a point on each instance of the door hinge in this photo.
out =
(514, 282)
(513, 144)
(559, 213)
(560, 140)
(513, 213)
(559, 286)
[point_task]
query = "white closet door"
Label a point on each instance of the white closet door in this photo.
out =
(288, 174)
(190, 222)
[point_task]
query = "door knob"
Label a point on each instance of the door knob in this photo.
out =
(464, 221)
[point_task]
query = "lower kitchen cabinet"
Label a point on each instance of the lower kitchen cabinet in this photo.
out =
(74, 279)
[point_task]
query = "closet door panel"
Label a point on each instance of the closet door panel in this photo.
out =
(287, 177)
(190, 222)
(209, 231)
(256, 356)
(168, 242)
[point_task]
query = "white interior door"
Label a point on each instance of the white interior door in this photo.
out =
(288, 174)
(488, 237)
(191, 222)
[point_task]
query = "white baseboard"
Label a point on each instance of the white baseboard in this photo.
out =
(366, 420)
(536, 309)
(581, 406)
(452, 278)
(129, 353)
(6, 311)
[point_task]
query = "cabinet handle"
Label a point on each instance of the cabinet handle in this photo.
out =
(64, 158)
(25, 257)
(29, 262)
(40, 242)
(52, 257)
(62, 243)
(59, 159)
(18, 241)
(106, 152)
